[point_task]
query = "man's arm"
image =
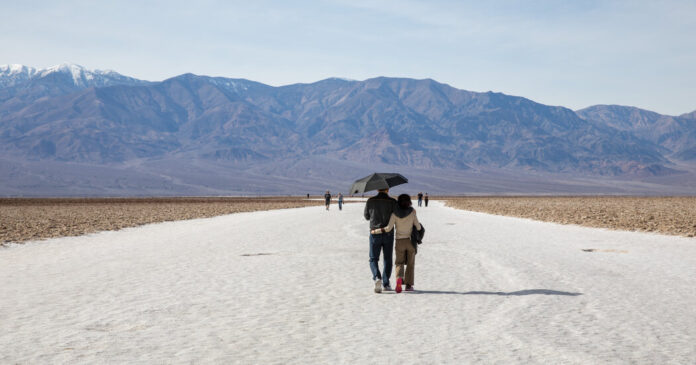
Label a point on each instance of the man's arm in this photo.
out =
(366, 213)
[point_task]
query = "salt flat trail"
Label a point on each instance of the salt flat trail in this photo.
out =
(294, 286)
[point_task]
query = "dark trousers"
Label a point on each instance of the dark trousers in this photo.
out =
(340, 205)
(385, 243)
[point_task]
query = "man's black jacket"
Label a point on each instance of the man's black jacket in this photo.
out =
(379, 209)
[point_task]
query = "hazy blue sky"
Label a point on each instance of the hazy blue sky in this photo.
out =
(571, 53)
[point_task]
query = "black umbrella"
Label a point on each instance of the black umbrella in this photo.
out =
(377, 181)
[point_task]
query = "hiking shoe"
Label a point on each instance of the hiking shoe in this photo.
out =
(387, 288)
(378, 286)
(398, 284)
(409, 287)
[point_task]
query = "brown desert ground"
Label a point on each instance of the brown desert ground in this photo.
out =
(666, 215)
(24, 219)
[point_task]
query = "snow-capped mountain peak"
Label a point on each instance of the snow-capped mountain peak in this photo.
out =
(16, 69)
(81, 77)
(11, 75)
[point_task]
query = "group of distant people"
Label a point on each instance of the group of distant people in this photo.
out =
(327, 199)
(390, 218)
(421, 197)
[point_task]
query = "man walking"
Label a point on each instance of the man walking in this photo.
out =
(340, 201)
(378, 210)
(420, 199)
(426, 200)
(327, 199)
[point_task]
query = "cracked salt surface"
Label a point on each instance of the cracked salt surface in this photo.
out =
(293, 286)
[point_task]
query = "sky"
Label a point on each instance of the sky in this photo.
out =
(569, 53)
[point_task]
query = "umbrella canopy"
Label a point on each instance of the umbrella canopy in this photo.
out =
(377, 181)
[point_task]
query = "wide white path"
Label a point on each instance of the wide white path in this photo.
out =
(294, 286)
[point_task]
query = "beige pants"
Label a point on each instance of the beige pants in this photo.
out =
(405, 254)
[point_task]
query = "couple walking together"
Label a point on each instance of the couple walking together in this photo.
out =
(327, 200)
(420, 199)
(385, 213)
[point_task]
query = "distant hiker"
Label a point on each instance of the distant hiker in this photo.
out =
(378, 211)
(426, 200)
(405, 219)
(307, 196)
(420, 199)
(327, 198)
(340, 201)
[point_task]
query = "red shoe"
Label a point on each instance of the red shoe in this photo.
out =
(409, 288)
(398, 284)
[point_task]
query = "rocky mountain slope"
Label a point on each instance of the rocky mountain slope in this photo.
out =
(677, 134)
(70, 115)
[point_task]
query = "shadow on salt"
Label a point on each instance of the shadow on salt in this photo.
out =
(500, 293)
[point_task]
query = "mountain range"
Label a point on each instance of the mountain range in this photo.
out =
(67, 130)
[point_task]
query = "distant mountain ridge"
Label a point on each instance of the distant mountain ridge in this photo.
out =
(11, 75)
(677, 134)
(21, 85)
(68, 114)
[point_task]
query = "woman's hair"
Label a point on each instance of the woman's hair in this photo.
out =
(404, 201)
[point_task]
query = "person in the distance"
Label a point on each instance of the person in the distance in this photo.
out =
(327, 199)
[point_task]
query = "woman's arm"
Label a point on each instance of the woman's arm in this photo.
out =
(388, 228)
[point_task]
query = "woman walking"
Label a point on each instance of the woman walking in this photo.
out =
(405, 219)
(340, 201)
